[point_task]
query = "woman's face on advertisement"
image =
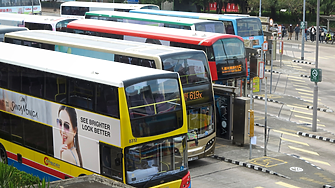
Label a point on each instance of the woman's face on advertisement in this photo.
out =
(65, 127)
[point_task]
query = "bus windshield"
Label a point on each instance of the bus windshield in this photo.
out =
(216, 27)
(201, 122)
(191, 67)
(154, 160)
(154, 107)
(225, 49)
(249, 27)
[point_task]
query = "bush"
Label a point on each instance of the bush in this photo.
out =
(11, 177)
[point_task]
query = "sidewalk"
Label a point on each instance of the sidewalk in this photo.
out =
(276, 163)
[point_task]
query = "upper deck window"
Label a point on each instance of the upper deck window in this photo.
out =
(191, 67)
(249, 27)
(154, 107)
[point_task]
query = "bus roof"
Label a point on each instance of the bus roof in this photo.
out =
(31, 18)
(92, 42)
(194, 15)
(45, 19)
(7, 29)
(91, 69)
(145, 17)
(106, 5)
(163, 33)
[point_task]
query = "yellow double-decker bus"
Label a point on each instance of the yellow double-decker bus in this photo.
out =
(64, 116)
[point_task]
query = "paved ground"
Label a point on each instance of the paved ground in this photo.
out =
(279, 163)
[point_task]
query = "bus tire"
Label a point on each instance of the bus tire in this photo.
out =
(3, 154)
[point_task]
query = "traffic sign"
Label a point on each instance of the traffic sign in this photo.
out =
(281, 47)
(316, 75)
(265, 46)
(261, 70)
(302, 25)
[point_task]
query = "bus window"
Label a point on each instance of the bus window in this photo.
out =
(35, 135)
(190, 68)
(249, 27)
(61, 26)
(229, 27)
(107, 102)
(3, 75)
(146, 99)
(5, 126)
(111, 161)
(81, 94)
(38, 26)
(56, 87)
(14, 78)
(32, 82)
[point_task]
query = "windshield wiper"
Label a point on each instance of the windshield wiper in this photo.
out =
(150, 179)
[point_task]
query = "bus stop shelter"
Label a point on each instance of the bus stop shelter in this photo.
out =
(328, 18)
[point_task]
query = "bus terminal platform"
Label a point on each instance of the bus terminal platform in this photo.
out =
(272, 161)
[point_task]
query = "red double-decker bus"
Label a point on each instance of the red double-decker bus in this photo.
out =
(226, 53)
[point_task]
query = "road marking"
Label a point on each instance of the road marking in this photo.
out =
(302, 127)
(267, 161)
(219, 145)
(297, 142)
(301, 86)
(315, 161)
(299, 78)
(309, 94)
(296, 80)
(288, 130)
(300, 107)
(303, 150)
(307, 113)
(305, 117)
(286, 133)
(308, 91)
(286, 185)
(311, 123)
(309, 98)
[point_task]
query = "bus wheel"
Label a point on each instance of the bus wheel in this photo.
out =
(3, 154)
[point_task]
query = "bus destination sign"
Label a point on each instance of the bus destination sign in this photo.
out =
(193, 95)
(231, 69)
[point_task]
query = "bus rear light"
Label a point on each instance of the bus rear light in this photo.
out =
(186, 181)
(213, 70)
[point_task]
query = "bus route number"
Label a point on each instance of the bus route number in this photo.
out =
(193, 95)
(132, 140)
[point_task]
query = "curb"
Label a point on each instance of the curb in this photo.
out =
(301, 61)
(321, 109)
(251, 166)
(306, 76)
(315, 136)
(297, 157)
(263, 98)
(266, 70)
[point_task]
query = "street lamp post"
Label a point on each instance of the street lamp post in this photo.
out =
(260, 8)
(303, 33)
(315, 93)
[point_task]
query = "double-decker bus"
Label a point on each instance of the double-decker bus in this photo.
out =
(77, 9)
(35, 22)
(21, 7)
(71, 116)
(161, 21)
(225, 53)
(248, 27)
(191, 65)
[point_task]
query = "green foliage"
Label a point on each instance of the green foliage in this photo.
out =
(11, 177)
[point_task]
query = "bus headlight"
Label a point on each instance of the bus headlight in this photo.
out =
(209, 144)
